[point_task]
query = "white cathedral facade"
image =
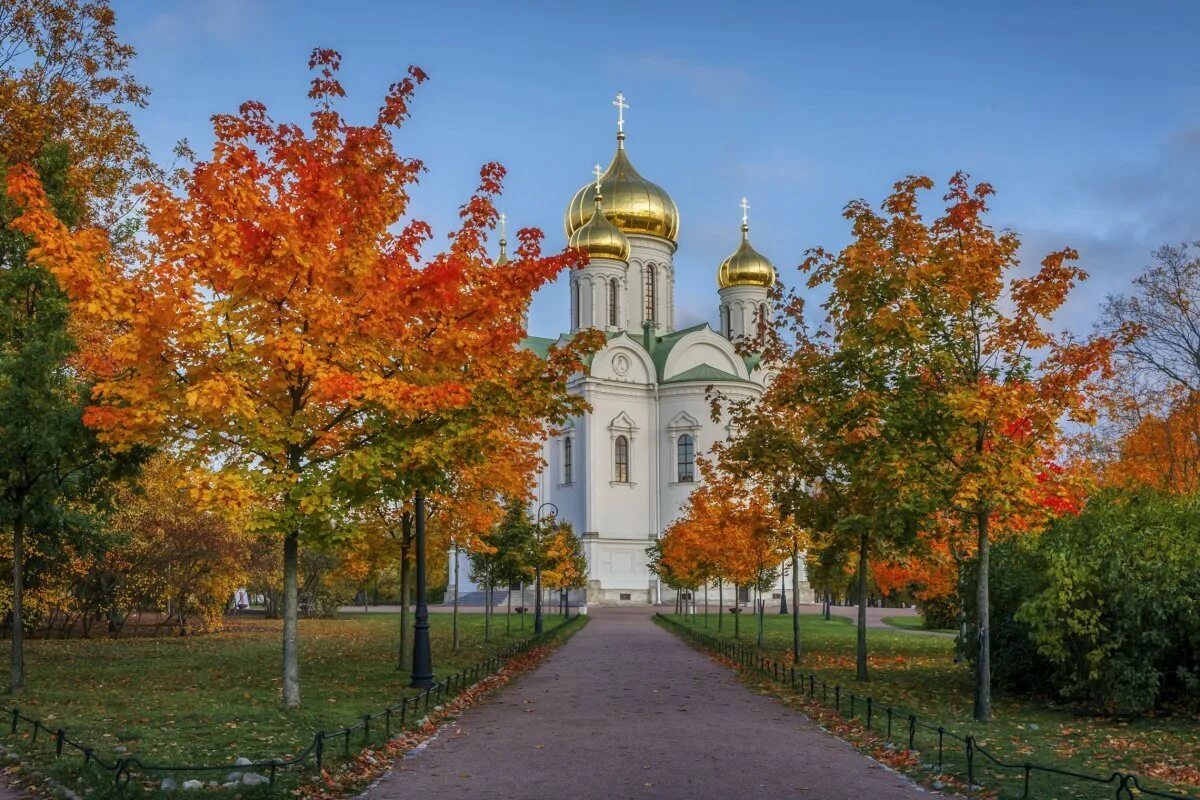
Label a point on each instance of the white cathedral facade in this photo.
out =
(622, 472)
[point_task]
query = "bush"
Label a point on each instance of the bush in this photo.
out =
(1115, 608)
(1016, 575)
(939, 613)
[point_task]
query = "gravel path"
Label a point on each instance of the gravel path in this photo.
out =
(627, 710)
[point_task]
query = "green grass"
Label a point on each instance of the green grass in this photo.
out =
(918, 674)
(210, 699)
(912, 624)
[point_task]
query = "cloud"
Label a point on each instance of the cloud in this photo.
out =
(187, 24)
(702, 77)
(1116, 215)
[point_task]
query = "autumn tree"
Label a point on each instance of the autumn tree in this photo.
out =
(65, 96)
(564, 562)
(187, 553)
(278, 318)
(66, 81)
(993, 385)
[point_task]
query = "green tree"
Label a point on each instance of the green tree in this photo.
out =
(47, 455)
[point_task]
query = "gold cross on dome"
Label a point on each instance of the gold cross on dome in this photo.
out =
(745, 211)
(621, 106)
(598, 173)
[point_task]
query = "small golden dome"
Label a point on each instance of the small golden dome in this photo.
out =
(635, 205)
(746, 267)
(503, 259)
(599, 237)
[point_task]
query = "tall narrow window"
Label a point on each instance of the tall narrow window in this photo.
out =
(686, 448)
(576, 297)
(567, 460)
(612, 303)
(621, 459)
(728, 321)
(651, 293)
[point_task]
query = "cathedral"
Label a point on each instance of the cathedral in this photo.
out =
(622, 473)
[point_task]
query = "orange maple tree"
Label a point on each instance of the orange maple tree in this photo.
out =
(985, 416)
(278, 320)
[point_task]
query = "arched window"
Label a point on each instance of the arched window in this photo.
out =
(651, 293)
(727, 321)
(686, 448)
(612, 303)
(621, 460)
(567, 465)
(763, 319)
(576, 298)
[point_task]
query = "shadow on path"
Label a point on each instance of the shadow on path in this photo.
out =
(627, 710)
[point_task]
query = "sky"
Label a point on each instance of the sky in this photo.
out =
(1085, 116)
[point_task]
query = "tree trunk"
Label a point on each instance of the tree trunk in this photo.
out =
(762, 620)
(861, 656)
(16, 675)
(720, 604)
(291, 621)
(487, 610)
(983, 659)
(508, 613)
(706, 603)
(454, 633)
(406, 541)
(737, 631)
(795, 604)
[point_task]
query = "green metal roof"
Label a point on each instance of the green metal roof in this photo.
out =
(660, 349)
(538, 344)
(704, 373)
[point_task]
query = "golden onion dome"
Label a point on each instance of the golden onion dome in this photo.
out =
(635, 205)
(599, 237)
(746, 267)
(503, 259)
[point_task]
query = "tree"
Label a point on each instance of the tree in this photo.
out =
(47, 455)
(564, 563)
(65, 94)
(986, 414)
(65, 81)
(277, 320)
(182, 553)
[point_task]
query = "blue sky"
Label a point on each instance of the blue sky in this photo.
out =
(1085, 116)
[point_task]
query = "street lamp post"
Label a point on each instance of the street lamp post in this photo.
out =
(422, 666)
(537, 569)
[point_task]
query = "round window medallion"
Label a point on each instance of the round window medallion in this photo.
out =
(621, 364)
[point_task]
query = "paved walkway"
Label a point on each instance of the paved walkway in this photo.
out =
(627, 710)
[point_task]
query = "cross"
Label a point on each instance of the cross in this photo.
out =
(745, 211)
(503, 220)
(597, 172)
(621, 106)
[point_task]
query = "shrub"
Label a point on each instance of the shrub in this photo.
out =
(1016, 574)
(1117, 612)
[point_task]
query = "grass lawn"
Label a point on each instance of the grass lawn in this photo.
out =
(918, 673)
(912, 624)
(210, 699)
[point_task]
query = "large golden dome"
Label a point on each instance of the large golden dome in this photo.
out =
(599, 237)
(634, 204)
(746, 267)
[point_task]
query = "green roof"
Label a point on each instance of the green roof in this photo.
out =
(661, 349)
(538, 344)
(705, 373)
(664, 344)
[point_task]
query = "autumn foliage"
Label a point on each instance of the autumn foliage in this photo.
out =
(279, 316)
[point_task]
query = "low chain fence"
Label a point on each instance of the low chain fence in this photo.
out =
(964, 755)
(386, 722)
